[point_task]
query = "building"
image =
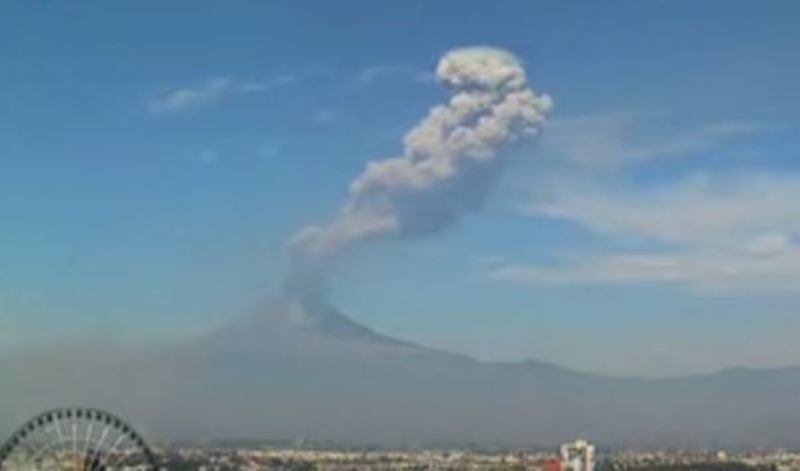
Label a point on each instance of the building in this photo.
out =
(577, 456)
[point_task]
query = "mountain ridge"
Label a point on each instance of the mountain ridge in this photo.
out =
(302, 369)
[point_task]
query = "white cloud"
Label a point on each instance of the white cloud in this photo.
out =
(209, 156)
(612, 139)
(771, 244)
(372, 74)
(700, 209)
(324, 116)
(725, 233)
(212, 91)
(699, 268)
(269, 151)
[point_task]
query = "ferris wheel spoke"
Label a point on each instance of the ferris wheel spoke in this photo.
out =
(75, 456)
(87, 441)
(102, 451)
(48, 431)
(29, 449)
(119, 460)
(113, 449)
(58, 427)
(93, 463)
(51, 436)
(101, 442)
(40, 453)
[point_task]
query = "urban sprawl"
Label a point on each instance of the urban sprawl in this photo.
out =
(573, 456)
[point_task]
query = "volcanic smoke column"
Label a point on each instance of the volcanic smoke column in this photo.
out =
(449, 162)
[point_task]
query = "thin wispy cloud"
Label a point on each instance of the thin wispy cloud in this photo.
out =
(705, 230)
(324, 116)
(697, 209)
(269, 151)
(736, 233)
(701, 269)
(209, 156)
(373, 74)
(617, 138)
(211, 92)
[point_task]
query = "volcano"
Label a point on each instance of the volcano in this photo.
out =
(300, 369)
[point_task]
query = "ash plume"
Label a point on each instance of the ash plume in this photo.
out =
(449, 162)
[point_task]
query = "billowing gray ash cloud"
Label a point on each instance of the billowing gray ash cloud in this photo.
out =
(448, 165)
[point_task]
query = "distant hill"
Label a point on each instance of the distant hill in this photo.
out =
(301, 369)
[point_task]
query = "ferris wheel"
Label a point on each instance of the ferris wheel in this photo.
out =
(76, 439)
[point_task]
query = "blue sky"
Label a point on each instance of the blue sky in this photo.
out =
(155, 160)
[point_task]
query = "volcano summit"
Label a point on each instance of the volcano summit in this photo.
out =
(301, 369)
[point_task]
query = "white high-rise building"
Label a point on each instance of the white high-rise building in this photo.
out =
(577, 456)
